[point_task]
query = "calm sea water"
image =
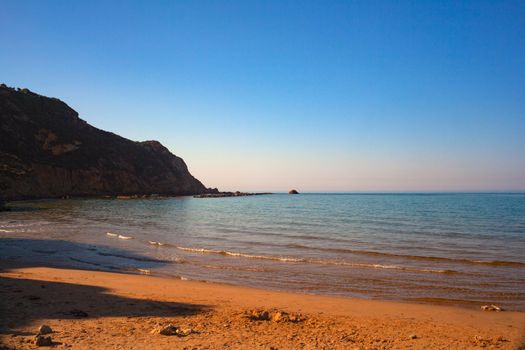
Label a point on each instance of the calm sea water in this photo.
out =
(448, 248)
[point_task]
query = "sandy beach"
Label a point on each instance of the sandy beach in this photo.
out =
(262, 175)
(102, 310)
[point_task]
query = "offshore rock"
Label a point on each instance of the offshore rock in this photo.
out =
(47, 151)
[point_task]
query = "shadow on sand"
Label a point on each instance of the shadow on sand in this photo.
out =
(61, 253)
(24, 301)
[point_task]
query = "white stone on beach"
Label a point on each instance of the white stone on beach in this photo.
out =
(491, 308)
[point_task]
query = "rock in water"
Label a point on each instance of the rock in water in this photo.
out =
(293, 192)
(47, 151)
(44, 329)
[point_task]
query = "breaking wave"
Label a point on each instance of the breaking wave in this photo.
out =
(312, 261)
(414, 257)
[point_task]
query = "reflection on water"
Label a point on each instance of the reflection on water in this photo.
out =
(446, 247)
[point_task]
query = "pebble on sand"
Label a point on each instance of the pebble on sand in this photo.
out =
(40, 340)
(274, 316)
(491, 308)
(172, 330)
(44, 329)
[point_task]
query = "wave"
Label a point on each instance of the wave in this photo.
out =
(382, 254)
(313, 261)
(450, 260)
(42, 251)
(236, 268)
(105, 267)
(135, 258)
(393, 267)
(84, 261)
(160, 244)
(288, 259)
(242, 255)
(2, 230)
(111, 234)
(413, 257)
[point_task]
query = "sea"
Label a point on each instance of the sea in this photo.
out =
(464, 249)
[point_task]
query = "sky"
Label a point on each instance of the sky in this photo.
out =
(335, 96)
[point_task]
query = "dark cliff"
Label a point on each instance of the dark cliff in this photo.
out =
(47, 151)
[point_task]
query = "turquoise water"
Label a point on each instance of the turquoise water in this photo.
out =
(464, 249)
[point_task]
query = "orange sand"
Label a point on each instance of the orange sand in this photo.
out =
(123, 309)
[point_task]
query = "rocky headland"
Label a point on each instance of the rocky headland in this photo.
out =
(47, 151)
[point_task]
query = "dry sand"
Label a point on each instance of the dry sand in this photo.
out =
(121, 310)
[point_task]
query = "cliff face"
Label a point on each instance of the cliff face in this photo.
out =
(46, 150)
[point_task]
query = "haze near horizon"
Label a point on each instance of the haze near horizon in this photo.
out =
(269, 96)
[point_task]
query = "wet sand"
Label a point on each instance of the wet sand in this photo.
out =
(101, 310)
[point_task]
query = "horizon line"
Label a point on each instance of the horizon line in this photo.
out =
(396, 192)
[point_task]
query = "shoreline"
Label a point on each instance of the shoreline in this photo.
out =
(425, 301)
(138, 196)
(123, 309)
(50, 257)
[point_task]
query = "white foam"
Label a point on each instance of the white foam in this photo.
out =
(241, 255)
(124, 237)
(311, 261)
(111, 234)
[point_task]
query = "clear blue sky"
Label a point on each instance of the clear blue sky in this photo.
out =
(270, 95)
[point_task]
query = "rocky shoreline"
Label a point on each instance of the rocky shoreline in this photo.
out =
(229, 194)
(211, 193)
